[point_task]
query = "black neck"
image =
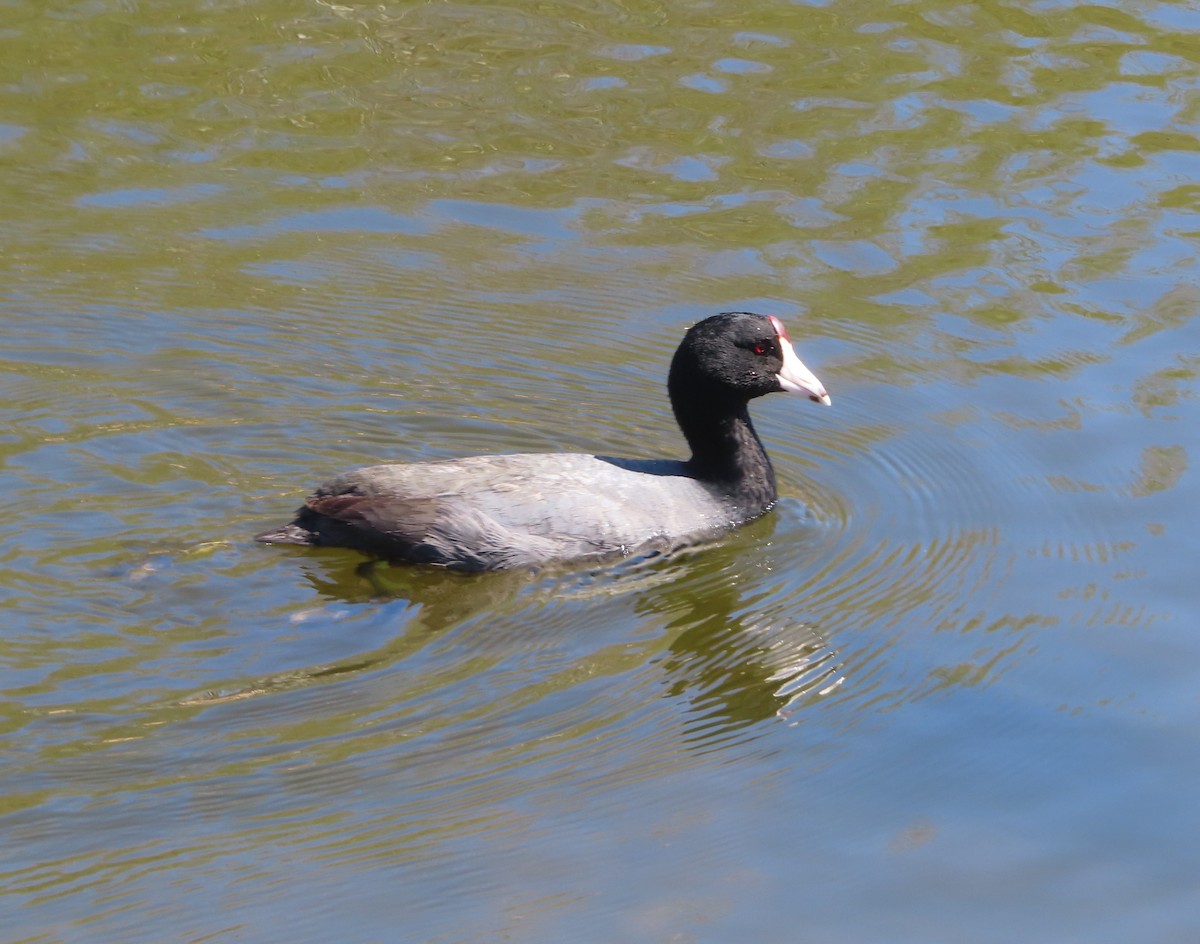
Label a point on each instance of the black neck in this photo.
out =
(726, 452)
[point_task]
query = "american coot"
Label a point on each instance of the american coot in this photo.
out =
(498, 512)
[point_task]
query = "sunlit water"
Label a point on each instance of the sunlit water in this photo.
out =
(946, 692)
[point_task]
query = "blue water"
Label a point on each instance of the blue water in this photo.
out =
(947, 691)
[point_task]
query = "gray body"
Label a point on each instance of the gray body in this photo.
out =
(499, 512)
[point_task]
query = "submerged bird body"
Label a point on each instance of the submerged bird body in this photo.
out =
(506, 511)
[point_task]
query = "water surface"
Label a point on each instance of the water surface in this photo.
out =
(947, 691)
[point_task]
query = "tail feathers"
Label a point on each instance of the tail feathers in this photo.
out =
(287, 534)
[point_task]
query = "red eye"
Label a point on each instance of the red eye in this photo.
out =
(762, 347)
